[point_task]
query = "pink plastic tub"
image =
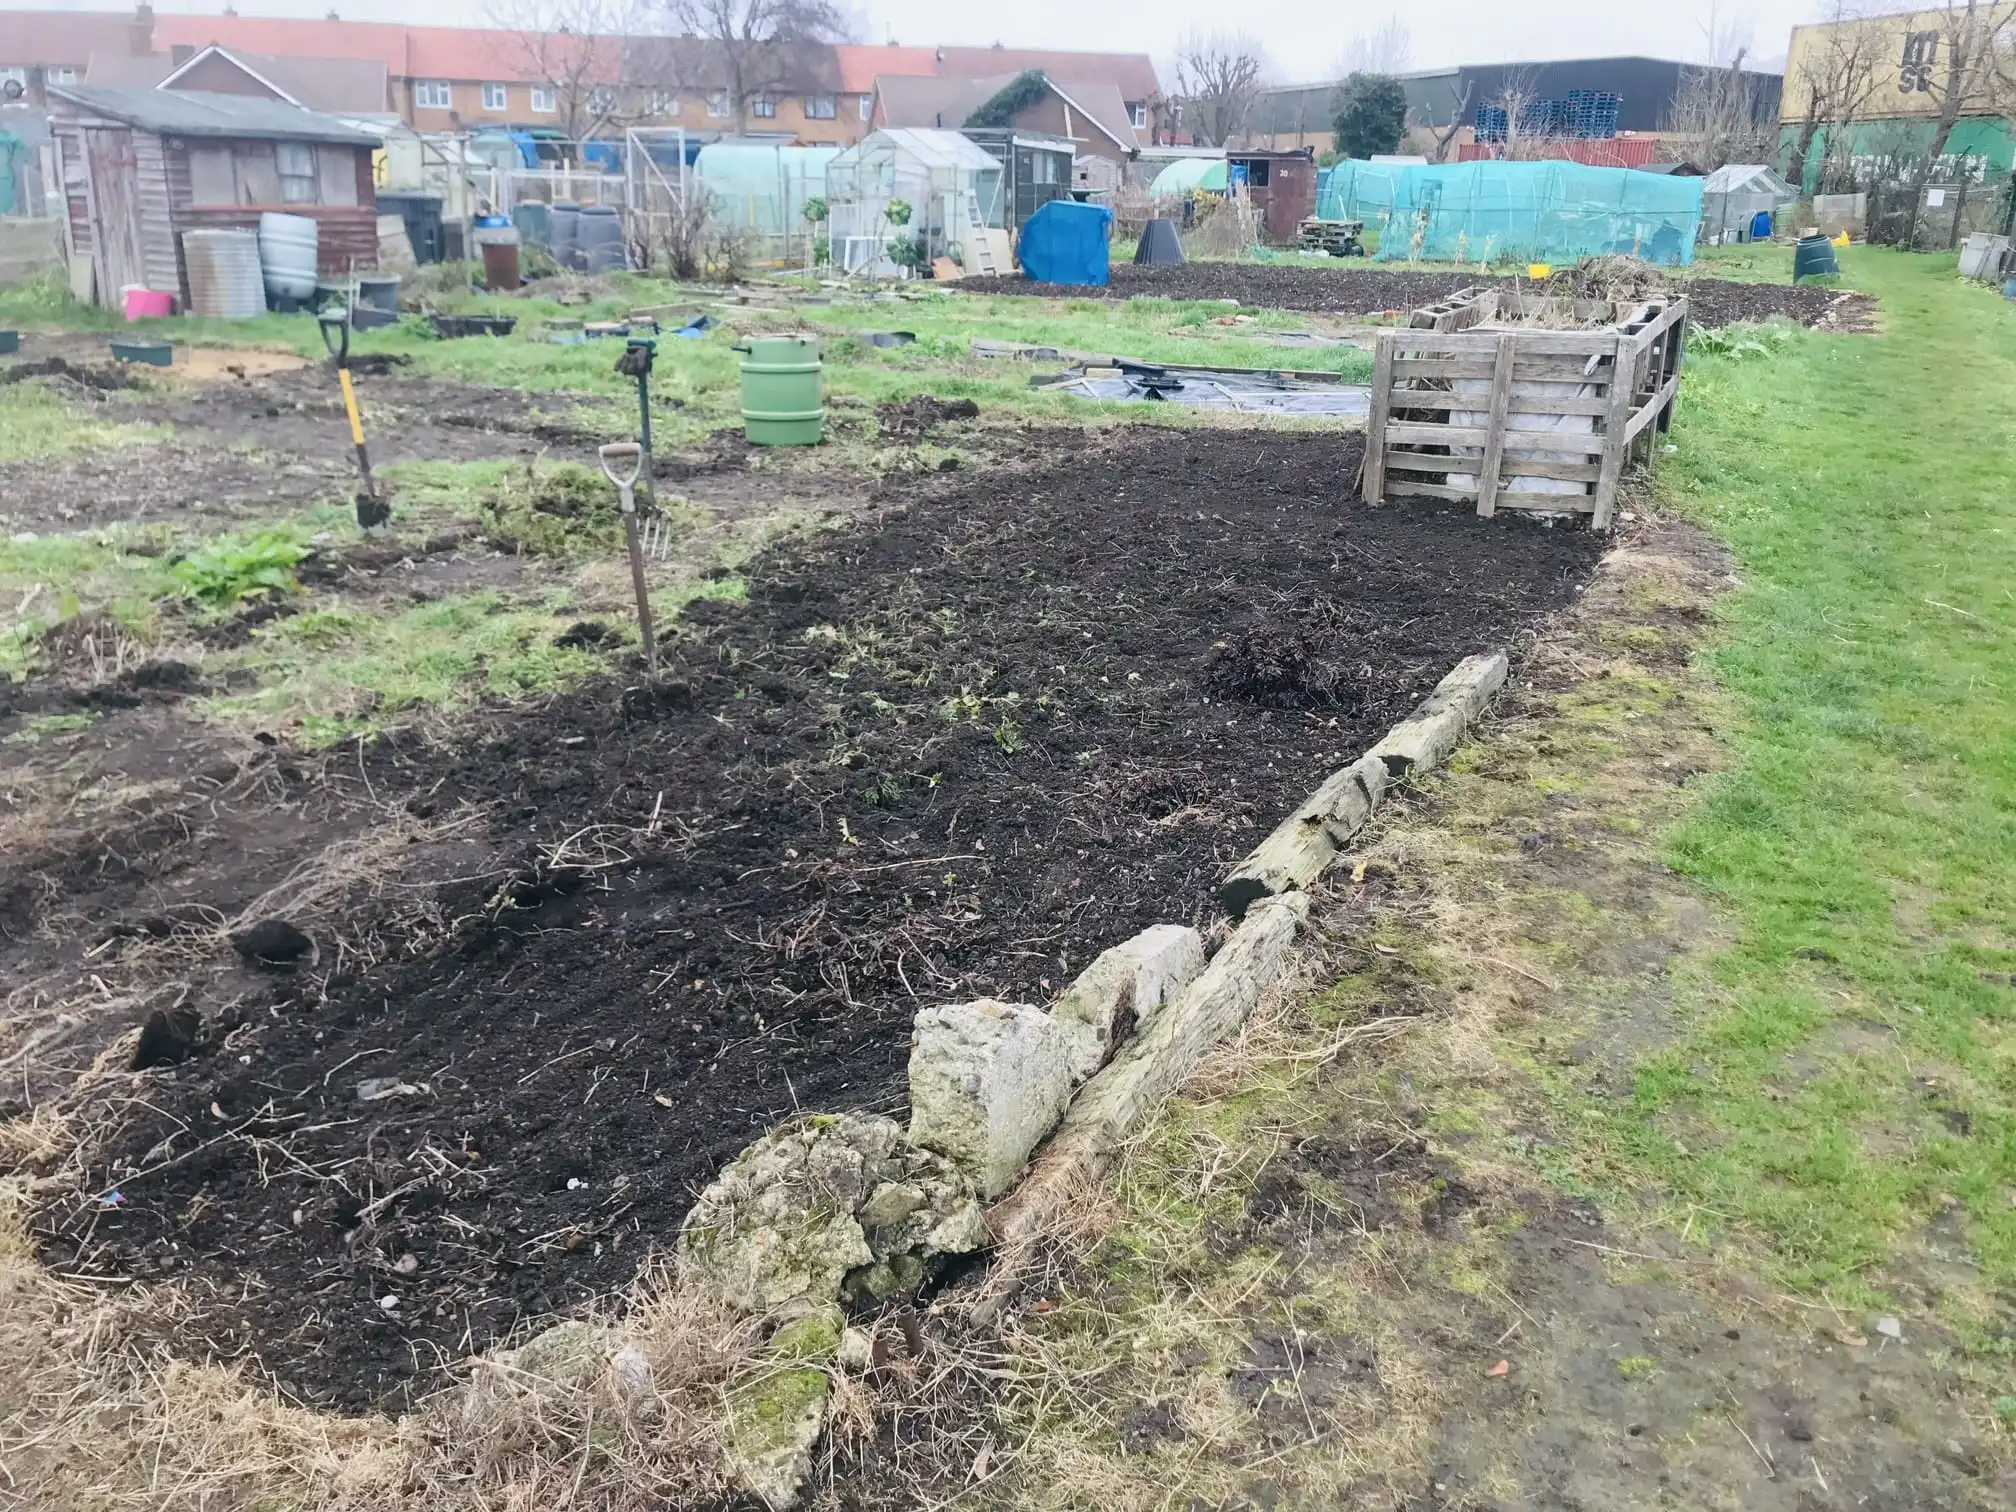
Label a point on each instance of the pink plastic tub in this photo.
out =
(143, 304)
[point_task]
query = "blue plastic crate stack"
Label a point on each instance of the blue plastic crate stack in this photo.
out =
(1593, 112)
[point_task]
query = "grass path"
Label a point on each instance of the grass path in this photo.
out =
(1853, 1048)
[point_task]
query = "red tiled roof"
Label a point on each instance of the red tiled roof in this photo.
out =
(40, 39)
(379, 42)
(1133, 74)
(861, 65)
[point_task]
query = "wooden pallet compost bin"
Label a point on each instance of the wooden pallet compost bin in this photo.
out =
(1521, 417)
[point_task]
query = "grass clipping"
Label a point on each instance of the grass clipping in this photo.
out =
(625, 1414)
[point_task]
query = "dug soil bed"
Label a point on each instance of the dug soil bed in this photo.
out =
(954, 751)
(250, 443)
(1368, 291)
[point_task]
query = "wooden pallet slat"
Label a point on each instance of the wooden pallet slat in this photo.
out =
(1622, 389)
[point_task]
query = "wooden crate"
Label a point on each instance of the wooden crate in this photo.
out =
(1444, 403)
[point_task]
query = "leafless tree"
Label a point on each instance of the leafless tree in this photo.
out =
(1962, 61)
(1716, 116)
(1386, 49)
(1834, 75)
(1218, 80)
(1516, 97)
(575, 49)
(1459, 117)
(757, 46)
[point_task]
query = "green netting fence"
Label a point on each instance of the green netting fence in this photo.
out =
(1516, 212)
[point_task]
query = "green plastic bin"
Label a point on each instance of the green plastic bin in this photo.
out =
(781, 400)
(1813, 258)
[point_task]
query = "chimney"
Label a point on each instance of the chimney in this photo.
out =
(140, 30)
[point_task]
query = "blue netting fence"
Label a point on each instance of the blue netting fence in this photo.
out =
(1518, 212)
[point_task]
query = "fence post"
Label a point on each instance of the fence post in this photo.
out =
(1374, 471)
(1616, 420)
(1494, 438)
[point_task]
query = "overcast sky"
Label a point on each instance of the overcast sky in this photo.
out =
(1303, 39)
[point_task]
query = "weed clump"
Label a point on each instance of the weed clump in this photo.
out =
(559, 509)
(235, 567)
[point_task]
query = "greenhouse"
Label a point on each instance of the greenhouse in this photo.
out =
(902, 197)
(1189, 176)
(762, 191)
(1734, 196)
(1518, 212)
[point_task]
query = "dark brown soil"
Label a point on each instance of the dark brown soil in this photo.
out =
(245, 444)
(1367, 290)
(954, 753)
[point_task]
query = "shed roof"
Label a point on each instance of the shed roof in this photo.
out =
(180, 112)
(934, 149)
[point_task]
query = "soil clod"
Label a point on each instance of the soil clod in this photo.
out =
(167, 1038)
(272, 942)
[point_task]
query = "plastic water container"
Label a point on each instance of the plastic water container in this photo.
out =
(781, 399)
(146, 304)
(564, 233)
(225, 280)
(600, 239)
(287, 250)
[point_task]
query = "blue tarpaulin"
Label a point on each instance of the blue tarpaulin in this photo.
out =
(1065, 242)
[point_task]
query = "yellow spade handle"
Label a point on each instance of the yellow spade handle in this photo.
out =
(350, 407)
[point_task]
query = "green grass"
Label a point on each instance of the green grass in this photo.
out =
(1854, 1052)
(340, 671)
(36, 423)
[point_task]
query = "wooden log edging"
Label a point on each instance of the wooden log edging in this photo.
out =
(1268, 894)
(1295, 854)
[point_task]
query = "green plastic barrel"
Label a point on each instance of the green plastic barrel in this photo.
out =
(781, 404)
(1813, 258)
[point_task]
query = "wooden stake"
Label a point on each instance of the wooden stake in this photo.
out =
(1494, 447)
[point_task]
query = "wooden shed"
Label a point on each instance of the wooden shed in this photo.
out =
(141, 166)
(1281, 186)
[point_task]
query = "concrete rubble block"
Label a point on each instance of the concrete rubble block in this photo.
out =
(988, 1080)
(1123, 990)
(826, 1206)
(570, 1354)
(776, 1418)
(1424, 739)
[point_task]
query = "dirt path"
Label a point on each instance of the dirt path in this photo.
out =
(1363, 290)
(953, 754)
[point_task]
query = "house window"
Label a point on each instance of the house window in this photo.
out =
(602, 99)
(867, 107)
(61, 76)
(542, 99)
(717, 103)
(296, 162)
(1137, 112)
(763, 106)
(495, 97)
(819, 108)
(664, 102)
(433, 94)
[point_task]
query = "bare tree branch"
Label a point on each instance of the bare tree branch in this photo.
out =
(1386, 49)
(1717, 116)
(1218, 81)
(754, 47)
(578, 50)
